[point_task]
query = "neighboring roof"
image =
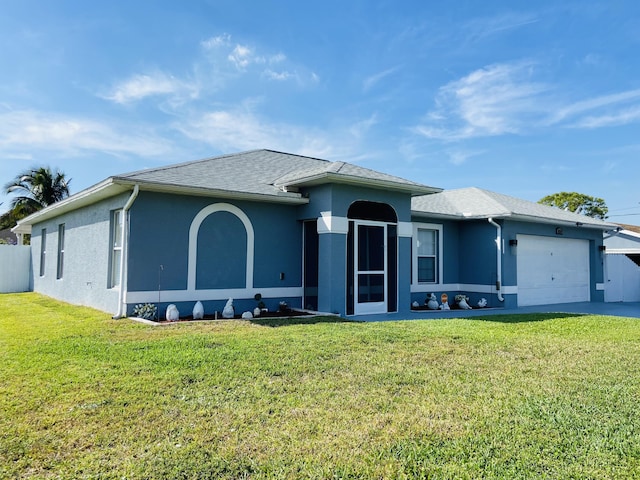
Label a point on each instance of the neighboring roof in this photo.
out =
(624, 240)
(476, 203)
(263, 175)
(630, 228)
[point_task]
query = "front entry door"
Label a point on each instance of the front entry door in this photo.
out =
(370, 274)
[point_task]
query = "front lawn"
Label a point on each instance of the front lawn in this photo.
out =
(531, 396)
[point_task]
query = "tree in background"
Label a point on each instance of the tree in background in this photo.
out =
(33, 190)
(578, 203)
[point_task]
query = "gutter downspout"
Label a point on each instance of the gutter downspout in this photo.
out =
(123, 256)
(499, 255)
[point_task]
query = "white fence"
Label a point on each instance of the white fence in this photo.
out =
(15, 267)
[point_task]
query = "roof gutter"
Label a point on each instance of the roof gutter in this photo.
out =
(499, 256)
(125, 244)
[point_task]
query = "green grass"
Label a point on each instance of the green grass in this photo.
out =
(529, 396)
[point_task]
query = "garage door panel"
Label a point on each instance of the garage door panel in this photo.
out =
(552, 270)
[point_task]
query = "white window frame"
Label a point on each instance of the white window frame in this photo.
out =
(60, 264)
(43, 251)
(439, 264)
(116, 248)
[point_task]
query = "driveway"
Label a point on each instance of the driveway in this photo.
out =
(594, 308)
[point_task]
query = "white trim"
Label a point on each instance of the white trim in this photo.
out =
(405, 229)
(622, 251)
(213, 294)
(414, 253)
(193, 241)
(370, 307)
(462, 287)
(330, 224)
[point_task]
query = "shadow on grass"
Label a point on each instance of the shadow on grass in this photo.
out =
(288, 321)
(525, 317)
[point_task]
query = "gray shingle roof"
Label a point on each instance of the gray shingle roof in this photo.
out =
(264, 172)
(478, 203)
(247, 172)
(349, 173)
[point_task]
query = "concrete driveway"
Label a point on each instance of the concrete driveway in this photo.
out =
(594, 308)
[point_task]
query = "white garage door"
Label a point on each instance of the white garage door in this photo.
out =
(552, 270)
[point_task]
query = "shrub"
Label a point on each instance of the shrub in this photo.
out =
(148, 311)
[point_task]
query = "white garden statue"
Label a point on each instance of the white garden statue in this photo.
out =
(198, 311)
(432, 303)
(482, 302)
(445, 306)
(247, 315)
(228, 311)
(172, 314)
(463, 304)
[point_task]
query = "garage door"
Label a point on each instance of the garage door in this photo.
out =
(552, 270)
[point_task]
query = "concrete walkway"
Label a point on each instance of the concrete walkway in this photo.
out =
(594, 308)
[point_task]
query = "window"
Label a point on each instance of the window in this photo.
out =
(427, 253)
(60, 250)
(116, 247)
(43, 250)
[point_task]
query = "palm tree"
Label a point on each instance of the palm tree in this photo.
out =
(35, 189)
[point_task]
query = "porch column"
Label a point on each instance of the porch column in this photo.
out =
(332, 263)
(405, 232)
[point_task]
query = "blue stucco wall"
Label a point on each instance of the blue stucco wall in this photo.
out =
(338, 198)
(469, 256)
(159, 246)
(332, 271)
(85, 279)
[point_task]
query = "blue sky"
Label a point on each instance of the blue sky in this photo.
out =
(522, 98)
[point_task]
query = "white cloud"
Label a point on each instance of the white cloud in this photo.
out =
(217, 41)
(243, 128)
(144, 85)
(622, 117)
(595, 103)
(279, 76)
(24, 131)
(362, 127)
(458, 157)
(483, 27)
(241, 56)
(494, 100)
(374, 79)
(504, 99)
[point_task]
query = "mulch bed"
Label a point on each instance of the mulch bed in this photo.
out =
(276, 314)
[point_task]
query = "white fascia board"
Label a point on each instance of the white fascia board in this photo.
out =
(328, 177)
(585, 223)
(521, 218)
(100, 191)
(279, 197)
(622, 251)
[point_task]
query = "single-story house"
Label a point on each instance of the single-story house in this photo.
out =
(327, 236)
(622, 264)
